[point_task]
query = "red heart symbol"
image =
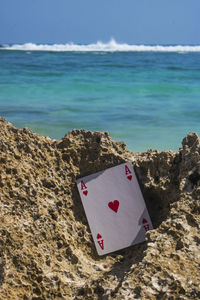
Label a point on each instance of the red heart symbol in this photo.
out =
(144, 221)
(129, 177)
(85, 193)
(114, 205)
(99, 236)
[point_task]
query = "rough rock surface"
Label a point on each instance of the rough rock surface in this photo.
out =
(46, 249)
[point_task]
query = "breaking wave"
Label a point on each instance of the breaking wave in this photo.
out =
(111, 46)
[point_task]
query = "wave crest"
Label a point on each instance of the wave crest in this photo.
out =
(111, 46)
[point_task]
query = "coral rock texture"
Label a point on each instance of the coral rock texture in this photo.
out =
(46, 248)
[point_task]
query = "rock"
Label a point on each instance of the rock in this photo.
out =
(46, 249)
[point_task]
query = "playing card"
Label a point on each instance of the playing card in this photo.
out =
(115, 208)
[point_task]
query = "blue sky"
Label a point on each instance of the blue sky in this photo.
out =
(87, 21)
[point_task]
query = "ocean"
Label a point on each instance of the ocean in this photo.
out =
(146, 96)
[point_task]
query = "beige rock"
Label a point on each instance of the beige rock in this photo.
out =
(46, 249)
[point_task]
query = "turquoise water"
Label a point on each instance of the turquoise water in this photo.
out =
(148, 99)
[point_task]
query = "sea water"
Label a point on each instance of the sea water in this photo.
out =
(146, 96)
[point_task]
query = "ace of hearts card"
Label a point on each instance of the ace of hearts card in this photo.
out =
(115, 208)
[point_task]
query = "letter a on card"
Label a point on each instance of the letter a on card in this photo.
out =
(127, 170)
(101, 244)
(128, 173)
(84, 188)
(114, 207)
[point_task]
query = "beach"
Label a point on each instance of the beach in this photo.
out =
(99, 150)
(47, 251)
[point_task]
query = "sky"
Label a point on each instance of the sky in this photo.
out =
(88, 21)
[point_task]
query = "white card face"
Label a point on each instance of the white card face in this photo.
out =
(115, 208)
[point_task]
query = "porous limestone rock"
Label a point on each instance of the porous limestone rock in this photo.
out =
(46, 248)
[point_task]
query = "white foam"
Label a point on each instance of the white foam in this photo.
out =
(111, 46)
